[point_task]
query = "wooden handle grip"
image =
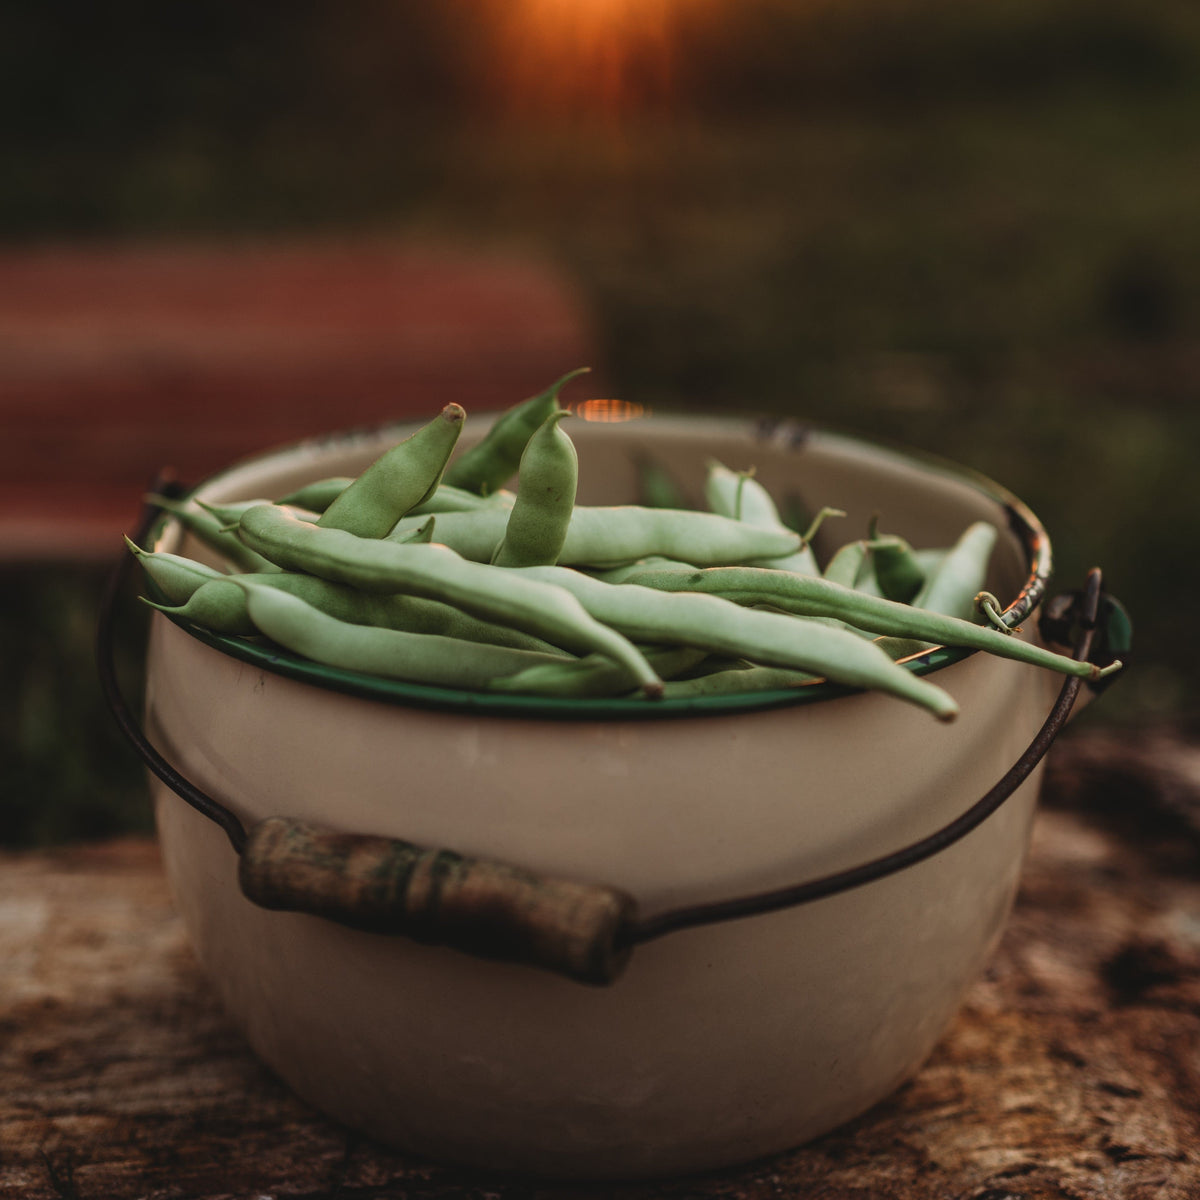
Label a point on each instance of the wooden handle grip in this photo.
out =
(488, 909)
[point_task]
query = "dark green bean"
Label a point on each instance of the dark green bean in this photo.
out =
(492, 462)
(897, 569)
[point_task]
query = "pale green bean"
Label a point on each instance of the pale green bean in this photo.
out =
(647, 616)
(395, 654)
(436, 572)
(811, 597)
(600, 536)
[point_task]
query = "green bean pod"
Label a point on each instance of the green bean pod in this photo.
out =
(849, 567)
(228, 513)
(897, 569)
(394, 654)
(739, 495)
(850, 564)
(212, 532)
(593, 676)
(492, 461)
(219, 604)
(175, 575)
(737, 681)
(770, 639)
(897, 648)
(421, 535)
(656, 488)
(318, 495)
(600, 536)
(539, 518)
(449, 499)
(812, 597)
(952, 588)
(398, 480)
(437, 573)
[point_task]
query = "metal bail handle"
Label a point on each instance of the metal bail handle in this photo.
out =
(497, 911)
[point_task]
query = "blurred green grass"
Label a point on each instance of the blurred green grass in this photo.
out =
(966, 229)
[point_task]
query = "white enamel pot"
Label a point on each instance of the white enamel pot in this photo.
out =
(716, 1043)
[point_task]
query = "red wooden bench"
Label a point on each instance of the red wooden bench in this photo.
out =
(119, 360)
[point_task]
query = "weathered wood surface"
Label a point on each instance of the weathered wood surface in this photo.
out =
(1072, 1071)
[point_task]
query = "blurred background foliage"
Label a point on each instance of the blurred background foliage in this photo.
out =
(967, 228)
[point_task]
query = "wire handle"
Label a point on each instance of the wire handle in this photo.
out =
(493, 910)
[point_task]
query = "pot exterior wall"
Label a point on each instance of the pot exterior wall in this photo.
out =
(718, 1044)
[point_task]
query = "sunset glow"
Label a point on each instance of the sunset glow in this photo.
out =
(588, 54)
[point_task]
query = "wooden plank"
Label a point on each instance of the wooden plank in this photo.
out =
(1072, 1071)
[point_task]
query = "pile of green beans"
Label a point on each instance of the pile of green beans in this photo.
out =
(427, 568)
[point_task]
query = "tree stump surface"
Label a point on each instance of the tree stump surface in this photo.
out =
(1073, 1069)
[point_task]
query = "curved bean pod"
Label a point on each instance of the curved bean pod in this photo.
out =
(493, 461)
(593, 676)
(811, 597)
(437, 573)
(539, 518)
(318, 495)
(449, 499)
(392, 653)
(768, 638)
(229, 513)
(600, 536)
(401, 478)
(219, 604)
(952, 588)
(740, 496)
(849, 565)
(897, 569)
(211, 531)
(735, 681)
(175, 575)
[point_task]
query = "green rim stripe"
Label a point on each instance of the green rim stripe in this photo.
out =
(1022, 522)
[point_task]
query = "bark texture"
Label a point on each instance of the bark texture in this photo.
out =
(1072, 1071)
